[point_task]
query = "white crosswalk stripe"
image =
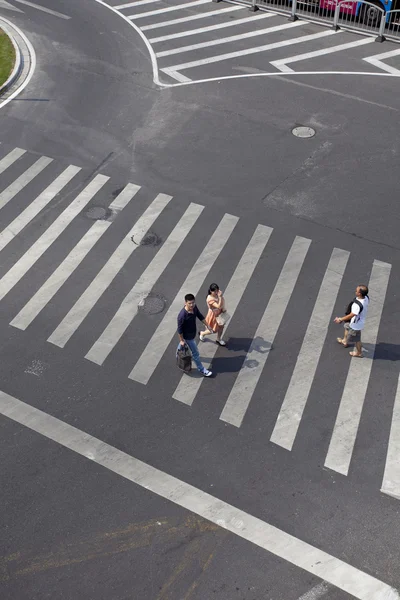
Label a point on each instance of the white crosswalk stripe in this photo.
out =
(256, 367)
(351, 405)
(160, 11)
(23, 180)
(250, 373)
(180, 20)
(307, 361)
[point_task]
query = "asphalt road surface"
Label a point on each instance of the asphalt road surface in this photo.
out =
(278, 477)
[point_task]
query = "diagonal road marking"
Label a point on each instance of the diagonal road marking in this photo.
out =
(330, 569)
(42, 8)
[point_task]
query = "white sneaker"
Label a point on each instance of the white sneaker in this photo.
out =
(221, 342)
(207, 373)
(201, 338)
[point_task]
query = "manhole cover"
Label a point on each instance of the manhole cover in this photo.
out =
(98, 213)
(303, 132)
(150, 239)
(152, 304)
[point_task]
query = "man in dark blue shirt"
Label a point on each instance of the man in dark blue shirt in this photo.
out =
(187, 330)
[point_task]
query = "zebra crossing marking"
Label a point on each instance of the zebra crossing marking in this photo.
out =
(30, 212)
(110, 270)
(151, 356)
(250, 373)
(211, 13)
(282, 63)
(132, 4)
(391, 477)
(180, 34)
(51, 286)
(349, 414)
(189, 386)
(22, 181)
(232, 38)
(22, 266)
(377, 61)
(246, 52)
(295, 400)
(10, 159)
(159, 11)
(143, 286)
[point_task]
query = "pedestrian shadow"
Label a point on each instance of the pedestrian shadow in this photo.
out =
(233, 357)
(384, 351)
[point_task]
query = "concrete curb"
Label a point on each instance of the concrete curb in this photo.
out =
(18, 59)
(25, 63)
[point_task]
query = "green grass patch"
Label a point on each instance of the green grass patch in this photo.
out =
(7, 57)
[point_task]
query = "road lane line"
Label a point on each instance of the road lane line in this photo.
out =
(30, 212)
(8, 6)
(160, 11)
(283, 62)
(11, 158)
(180, 34)
(246, 52)
(377, 62)
(349, 414)
(129, 307)
(252, 368)
(292, 409)
(232, 38)
(212, 13)
(22, 266)
(51, 286)
(42, 8)
(176, 75)
(391, 477)
(189, 386)
(110, 270)
(22, 181)
(164, 333)
(260, 533)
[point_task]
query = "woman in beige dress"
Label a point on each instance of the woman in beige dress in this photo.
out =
(216, 306)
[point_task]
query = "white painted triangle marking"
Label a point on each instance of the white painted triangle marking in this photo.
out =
(8, 6)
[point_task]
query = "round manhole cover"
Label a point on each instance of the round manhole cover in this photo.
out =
(152, 304)
(98, 213)
(150, 239)
(303, 132)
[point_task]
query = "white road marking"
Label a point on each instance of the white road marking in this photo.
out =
(260, 533)
(376, 60)
(160, 11)
(42, 8)
(10, 159)
(50, 287)
(30, 212)
(164, 333)
(189, 386)
(176, 75)
(283, 62)
(212, 13)
(349, 414)
(22, 266)
(316, 592)
(180, 34)
(4, 4)
(232, 38)
(250, 373)
(247, 51)
(129, 307)
(292, 409)
(137, 3)
(391, 477)
(14, 188)
(107, 274)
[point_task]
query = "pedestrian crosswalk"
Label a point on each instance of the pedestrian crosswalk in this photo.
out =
(125, 224)
(198, 40)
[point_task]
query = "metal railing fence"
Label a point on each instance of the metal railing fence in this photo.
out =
(362, 16)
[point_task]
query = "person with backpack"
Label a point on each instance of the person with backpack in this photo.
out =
(354, 321)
